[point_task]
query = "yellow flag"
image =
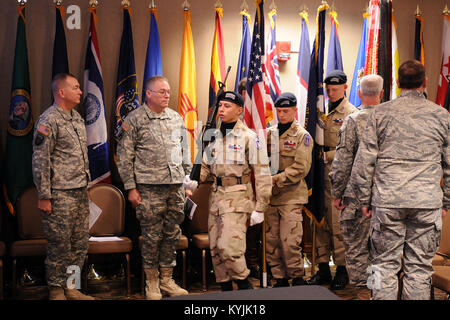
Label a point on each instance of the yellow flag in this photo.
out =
(187, 93)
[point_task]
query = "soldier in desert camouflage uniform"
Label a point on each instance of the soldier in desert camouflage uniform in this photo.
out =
(328, 237)
(153, 158)
(231, 159)
(397, 171)
(61, 175)
(354, 225)
(290, 148)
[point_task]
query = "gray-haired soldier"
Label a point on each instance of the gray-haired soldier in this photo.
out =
(153, 160)
(354, 225)
(398, 169)
(61, 175)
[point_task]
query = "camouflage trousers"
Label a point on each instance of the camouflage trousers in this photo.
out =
(284, 232)
(355, 231)
(66, 230)
(160, 215)
(416, 234)
(227, 242)
(329, 239)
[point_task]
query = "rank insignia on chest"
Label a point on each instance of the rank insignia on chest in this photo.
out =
(338, 121)
(235, 147)
(289, 144)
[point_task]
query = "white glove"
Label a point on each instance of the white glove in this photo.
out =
(256, 217)
(189, 184)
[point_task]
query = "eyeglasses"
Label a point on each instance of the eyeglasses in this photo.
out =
(162, 92)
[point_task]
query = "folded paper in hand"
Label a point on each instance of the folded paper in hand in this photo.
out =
(94, 213)
(189, 208)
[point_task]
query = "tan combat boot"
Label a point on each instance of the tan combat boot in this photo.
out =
(152, 291)
(56, 293)
(168, 285)
(74, 294)
(363, 294)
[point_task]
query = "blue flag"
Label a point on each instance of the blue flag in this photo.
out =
(358, 73)
(303, 65)
(60, 60)
(127, 98)
(314, 124)
(334, 60)
(244, 53)
(94, 109)
(153, 60)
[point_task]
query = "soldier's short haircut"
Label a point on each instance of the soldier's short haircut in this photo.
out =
(411, 74)
(149, 83)
(242, 85)
(58, 79)
(371, 85)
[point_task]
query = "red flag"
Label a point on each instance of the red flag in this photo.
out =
(445, 64)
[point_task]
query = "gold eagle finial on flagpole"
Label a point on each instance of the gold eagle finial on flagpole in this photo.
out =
(218, 4)
(273, 6)
(152, 5)
(93, 3)
(446, 11)
(57, 2)
(125, 3)
(418, 12)
(22, 2)
(186, 5)
(244, 6)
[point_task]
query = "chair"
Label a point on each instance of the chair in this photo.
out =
(199, 224)
(110, 223)
(441, 261)
(32, 242)
(182, 246)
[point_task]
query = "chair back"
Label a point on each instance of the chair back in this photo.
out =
(445, 236)
(199, 223)
(29, 217)
(111, 201)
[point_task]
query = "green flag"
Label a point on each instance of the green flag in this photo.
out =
(19, 149)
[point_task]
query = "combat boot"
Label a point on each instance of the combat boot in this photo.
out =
(74, 294)
(244, 284)
(226, 286)
(363, 294)
(168, 285)
(152, 291)
(340, 279)
(323, 276)
(299, 281)
(281, 283)
(56, 293)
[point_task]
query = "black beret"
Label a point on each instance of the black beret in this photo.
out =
(285, 100)
(336, 77)
(232, 97)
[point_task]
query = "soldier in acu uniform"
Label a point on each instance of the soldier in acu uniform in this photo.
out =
(231, 159)
(328, 237)
(290, 147)
(61, 175)
(402, 157)
(354, 225)
(153, 159)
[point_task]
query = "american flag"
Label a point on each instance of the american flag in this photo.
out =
(254, 115)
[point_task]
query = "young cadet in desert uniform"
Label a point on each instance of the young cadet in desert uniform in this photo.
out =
(231, 159)
(328, 237)
(290, 147)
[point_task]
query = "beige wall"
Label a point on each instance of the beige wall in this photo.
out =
(40, 16)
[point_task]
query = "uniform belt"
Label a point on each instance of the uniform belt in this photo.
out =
(231, 181)
(326, 149)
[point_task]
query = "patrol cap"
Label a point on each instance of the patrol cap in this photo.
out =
(232, 97)
(336, 77)
(285, 100)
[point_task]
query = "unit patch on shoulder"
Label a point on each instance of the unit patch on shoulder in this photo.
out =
(306, 140)
(44, 130)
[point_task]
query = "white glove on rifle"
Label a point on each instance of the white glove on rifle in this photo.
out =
(190, 184)
(256, 217)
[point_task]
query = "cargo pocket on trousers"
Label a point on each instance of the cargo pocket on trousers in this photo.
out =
(376, 241)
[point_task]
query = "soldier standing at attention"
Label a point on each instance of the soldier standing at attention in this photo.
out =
(61, 175)
(231, 159)
(402, 157)
(328, 237)
(290, 147)
(354, 225)
(153, 159)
